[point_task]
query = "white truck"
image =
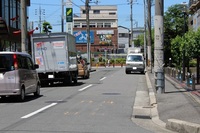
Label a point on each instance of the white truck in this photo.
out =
(135, 61)
(56, 56)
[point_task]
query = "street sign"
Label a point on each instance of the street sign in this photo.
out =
(69, 15)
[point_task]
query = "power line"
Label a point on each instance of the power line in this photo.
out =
(45, 4)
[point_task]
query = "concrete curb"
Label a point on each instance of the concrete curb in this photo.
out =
(153, 103)
(182, 126)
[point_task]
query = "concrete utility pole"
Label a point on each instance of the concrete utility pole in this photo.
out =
(40, 13)
(145, 45)
(62, 17)
(131, 18)
(23, 25)
(158, 49)
(87, 8)
(149, 33)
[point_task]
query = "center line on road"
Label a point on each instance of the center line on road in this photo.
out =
(38, 111)
(85, 87)
(102, 78)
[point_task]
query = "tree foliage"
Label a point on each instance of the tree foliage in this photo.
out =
(174, 26)
(190, 42)
(46, 27)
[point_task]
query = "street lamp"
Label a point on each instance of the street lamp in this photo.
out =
(184, 15)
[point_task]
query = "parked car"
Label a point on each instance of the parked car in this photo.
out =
(18, 75)
(83, 70)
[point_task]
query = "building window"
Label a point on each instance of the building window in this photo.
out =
(96, 12)
(99, 25)
(92, 25)
(107, 25)
(112, 13)
(77, 25)
(123, 35)
(83, 11)
(84, 25)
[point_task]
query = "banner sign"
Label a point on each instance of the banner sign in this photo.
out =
(81, 36)
(105, 32)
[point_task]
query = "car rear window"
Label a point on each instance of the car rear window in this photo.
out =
(6, 62)
(134, 58)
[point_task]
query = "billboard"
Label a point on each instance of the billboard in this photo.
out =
(81, 36)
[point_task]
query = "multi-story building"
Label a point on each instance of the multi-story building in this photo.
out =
(194, 19)
(103, 29)
(124, 38)
(10, 22)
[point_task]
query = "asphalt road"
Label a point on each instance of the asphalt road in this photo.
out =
(102, 104)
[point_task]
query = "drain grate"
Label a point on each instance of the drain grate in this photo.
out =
(143, 116)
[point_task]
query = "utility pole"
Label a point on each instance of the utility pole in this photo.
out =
(87, 8)
(23, 26)
(62, 17)
(149, 33)
(145, 45)
(158, 49)
(41, 12)
(131, 18)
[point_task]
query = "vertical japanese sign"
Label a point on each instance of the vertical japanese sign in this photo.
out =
(69, 15)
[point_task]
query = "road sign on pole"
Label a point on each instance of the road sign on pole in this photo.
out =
(69, 15)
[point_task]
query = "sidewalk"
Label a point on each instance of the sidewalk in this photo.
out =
(179, 106)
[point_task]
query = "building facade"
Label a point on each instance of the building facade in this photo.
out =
(103, 29)
(10, 40)
(194, 19)
(123, 39)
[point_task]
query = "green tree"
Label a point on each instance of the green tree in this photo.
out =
(46, 27)
(139, 41)
(173, 26)
(176, 51)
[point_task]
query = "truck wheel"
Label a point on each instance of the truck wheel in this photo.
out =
(75, 78)
(68, 80)
(88, 75)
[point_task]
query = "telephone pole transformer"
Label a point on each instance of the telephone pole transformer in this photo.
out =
(158, 49)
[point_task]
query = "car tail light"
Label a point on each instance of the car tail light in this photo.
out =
(15, 61)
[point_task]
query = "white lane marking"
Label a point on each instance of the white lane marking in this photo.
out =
(102, 78)
(38, 111)
(85, 87)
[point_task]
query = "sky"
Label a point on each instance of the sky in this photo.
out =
(51, 11)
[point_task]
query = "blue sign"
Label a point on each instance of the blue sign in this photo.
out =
(81, 36)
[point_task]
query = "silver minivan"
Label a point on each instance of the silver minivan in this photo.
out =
(18, 75)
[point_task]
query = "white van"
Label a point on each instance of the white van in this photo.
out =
(135, 63)
(18, 75)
